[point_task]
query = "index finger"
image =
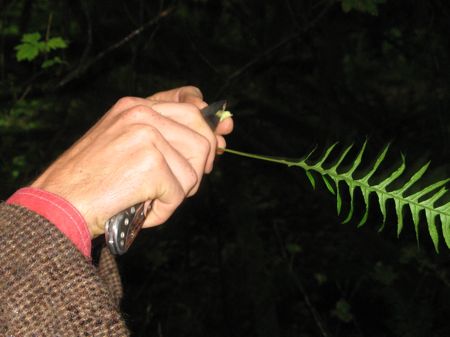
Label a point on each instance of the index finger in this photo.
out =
(187, 94)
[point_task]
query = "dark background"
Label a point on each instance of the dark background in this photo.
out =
(257, 252)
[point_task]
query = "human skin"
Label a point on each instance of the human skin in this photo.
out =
(156, 148)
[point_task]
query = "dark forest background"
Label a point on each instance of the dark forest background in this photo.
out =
(257, 252)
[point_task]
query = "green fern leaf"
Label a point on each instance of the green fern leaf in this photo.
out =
(338, 199)
(365, 193)
(328, 184)
(324, 157)
(382, 203)
(423, 201)
(352, 204)
(311, 179)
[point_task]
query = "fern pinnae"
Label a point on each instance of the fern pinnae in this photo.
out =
(415, 202)
(333, 170)
(311, 179)
(352, 204)
(338, 199)
(340, 160)
(348, 178)
(383, 197)
(399, 212)
(394, 175)
(328, 184)
(325, 156)
(377, 164)
(445, 220)
(365, 194)
(413, 179)
(428, 189)
(365, 180)
(356, 162)
(382, 203)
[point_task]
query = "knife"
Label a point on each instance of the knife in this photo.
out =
(122, 228)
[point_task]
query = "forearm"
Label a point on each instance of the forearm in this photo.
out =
(47, 286)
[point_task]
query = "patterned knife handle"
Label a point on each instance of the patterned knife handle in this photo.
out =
(122, 228)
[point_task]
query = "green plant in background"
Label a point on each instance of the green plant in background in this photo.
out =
(364, 6)
(426, 199)
(32, 46)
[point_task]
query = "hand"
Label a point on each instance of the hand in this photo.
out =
(142, 149)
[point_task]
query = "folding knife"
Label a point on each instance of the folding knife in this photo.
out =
(122, 228)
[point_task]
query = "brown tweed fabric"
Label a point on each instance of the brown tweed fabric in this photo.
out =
(107, 269)
(47, 288)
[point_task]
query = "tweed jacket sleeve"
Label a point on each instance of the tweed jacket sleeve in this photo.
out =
(47, 287)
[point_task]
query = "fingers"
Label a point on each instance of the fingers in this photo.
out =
(182, 141)
(159, 182)
(186, 114)
(187, 94)
(149, 168)
(189, 145)
(174, 175)
(189, 116)
(141, 149)
(225, 127)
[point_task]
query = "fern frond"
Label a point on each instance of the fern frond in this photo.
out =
(423, 201)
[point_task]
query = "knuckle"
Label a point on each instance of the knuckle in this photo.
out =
(136, 113)
(194, 89)
(153, 160)
(204, 145)
(179, 197)
(125, 102)
(191, 178)
(192, 112)
(144, 134)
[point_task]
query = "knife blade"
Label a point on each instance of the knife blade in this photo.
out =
(122, 228)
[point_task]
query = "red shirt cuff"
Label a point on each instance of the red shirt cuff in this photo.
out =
(59, 212)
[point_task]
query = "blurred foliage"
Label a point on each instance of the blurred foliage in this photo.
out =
(32, 45)
(256, 252)
(365, 6)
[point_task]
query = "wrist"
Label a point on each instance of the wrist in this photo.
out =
(62, 214)
(63, 191)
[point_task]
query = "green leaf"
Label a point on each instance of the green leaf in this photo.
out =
(357, 161)
(364, 6)
(326, 155)
(31, 38)
(428, 189)
(415, 216)
(431, 217)
(311, 179)
(382, 203)
(57, 43)
(397, 173)
(32, 45)
(338, 199)
(352, 204)
(51, 62)
(342, 311)
(379, 160)
(445, 221)
(26, 52)
(365, 193)
(399, 211)
(422, 201)
(413, 179)
(342, 157)
(328, 185)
